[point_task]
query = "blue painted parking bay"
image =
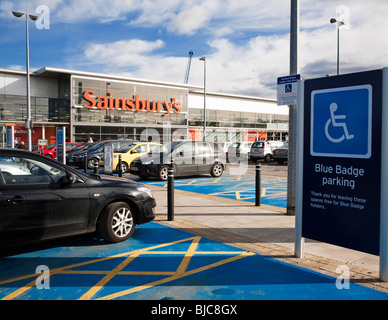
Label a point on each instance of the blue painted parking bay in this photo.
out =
(239, 187)
(161, 263)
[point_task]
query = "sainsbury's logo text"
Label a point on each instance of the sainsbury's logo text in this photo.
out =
(130, 104)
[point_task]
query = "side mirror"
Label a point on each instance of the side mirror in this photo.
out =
(68, 180)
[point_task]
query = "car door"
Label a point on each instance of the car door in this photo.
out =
(204, 157)
(35, 205)
(184, 159)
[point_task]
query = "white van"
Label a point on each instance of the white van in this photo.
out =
(263, 150)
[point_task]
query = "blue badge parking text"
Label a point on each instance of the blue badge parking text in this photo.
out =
(346, 175)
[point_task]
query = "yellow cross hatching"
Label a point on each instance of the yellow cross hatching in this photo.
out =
(180, 272)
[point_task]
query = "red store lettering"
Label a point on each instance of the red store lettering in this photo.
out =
(131, 104)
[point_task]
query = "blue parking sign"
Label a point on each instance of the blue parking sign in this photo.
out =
(341, 122)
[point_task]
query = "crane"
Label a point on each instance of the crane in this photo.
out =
(188, 67)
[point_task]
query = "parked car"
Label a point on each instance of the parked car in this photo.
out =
(47, 199)
(95, 153)
(83, 147)
(130, 152)
(263, 150)
(190, 158)
(51, 150)
(280, 154)
(239, 150)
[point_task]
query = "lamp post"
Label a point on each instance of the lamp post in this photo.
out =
(28, 124)
(339, 24)
(204, 98)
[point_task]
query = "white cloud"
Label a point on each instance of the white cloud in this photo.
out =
(246, 42)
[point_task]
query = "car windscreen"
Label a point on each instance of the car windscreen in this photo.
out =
(126, 148)
(258, 144)
(96, 146)
(167, 147)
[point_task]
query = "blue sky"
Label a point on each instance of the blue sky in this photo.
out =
(246, 42)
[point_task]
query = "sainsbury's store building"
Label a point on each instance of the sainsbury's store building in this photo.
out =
(104, 107)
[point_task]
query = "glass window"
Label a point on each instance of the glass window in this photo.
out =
(23, 170)
(203, 148)
(141, 149)
(186, 150)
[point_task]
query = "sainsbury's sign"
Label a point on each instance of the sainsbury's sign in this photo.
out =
(130, 104)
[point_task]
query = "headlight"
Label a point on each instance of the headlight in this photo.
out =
(146, 190)
(148, 162)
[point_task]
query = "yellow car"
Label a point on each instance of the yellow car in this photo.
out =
(130, 152)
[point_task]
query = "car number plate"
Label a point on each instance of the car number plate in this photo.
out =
(134, 168)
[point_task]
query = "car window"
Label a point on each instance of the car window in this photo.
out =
(185, 149)
(203, 148)
(70, 146)
(258, 144)
(141, 149)
(126, 148)
(24, 170)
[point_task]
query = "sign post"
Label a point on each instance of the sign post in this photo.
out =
(287, 90)
(341, 141)
(61, 144)
(384, 183)
(10, 131)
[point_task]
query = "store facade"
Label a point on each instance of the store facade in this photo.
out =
(106, 107)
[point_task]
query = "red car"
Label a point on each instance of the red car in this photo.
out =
(51, 150)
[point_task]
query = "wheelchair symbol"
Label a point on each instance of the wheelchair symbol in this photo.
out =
(333, 121)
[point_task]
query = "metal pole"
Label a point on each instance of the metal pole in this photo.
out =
(291, 181)
(338, 41)
(299, 239)
(28, 120)
(204, 98)
(384, 185)
(258, 185)
(170, 192)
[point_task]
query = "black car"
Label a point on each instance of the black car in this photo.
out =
(83, 147)
(44, 199)
(95, 153)
(190, 158)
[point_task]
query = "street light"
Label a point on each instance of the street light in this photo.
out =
(28, 124)
(204, 98)
(339, 24)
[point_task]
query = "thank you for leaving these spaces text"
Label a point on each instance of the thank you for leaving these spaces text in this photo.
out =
(340, 176)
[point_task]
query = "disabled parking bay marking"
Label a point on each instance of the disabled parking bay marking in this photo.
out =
(159, 263)
(273, 189)
(121, 265)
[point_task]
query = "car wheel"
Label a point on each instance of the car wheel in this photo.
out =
(116, 222)
(48, 156)
(163, 172)
(91, 163)
(267, 158)
(124, 167)
(217, 170)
